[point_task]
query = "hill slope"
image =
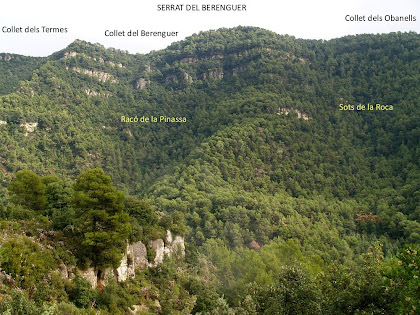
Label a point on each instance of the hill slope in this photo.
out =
(266, 143)
(243, 81)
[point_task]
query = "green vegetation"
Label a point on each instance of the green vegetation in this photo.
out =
(28, 190)
(100, 218)
(288, 204)
(83, 224)
(16, 68)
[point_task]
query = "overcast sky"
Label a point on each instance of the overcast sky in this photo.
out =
(89, 19)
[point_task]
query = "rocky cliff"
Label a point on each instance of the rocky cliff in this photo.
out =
(135, 259)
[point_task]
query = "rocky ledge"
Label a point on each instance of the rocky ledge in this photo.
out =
(135, 260)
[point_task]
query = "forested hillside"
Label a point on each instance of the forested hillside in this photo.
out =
(16, 68)
(293, 198)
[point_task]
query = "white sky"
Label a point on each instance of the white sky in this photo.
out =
(88, 20)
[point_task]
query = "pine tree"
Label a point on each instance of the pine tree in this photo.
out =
(100, 218)
(28, 190)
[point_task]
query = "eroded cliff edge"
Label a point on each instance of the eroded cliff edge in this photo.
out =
(135, 259)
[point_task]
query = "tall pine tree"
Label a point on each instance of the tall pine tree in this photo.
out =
(100, 218)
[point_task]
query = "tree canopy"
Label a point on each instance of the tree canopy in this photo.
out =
(100, 218)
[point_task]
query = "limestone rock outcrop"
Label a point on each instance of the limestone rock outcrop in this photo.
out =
(169, 247)
(91, 275)
(135, 260)
(90, 92)
(100, 75)
(141, 83)
(174, 244)
(215, 74)
(158, 246)
(29, 127)
(69, 54)
(287, 111)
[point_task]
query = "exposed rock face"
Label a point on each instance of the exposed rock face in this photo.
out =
(30, 127)
(178, 244)
(189, 60)
(124, 271)
(100, 75)
(26, 91)
(2, 122)
(7, 57)
(138, 253)
(138, 308)
(69, 54)
(141, 83)
(143, 308)
(105, 276)
(181, 77)
(168, 239)
(159, 248)
(217, 75)
(128, 131)
(286, 111)
(254, 245)
(194, 59)
(289, 57)
(173, 245)
(90, 92)
(112, 64)
(90, 275)
(188, 78)
(135, 259)
(169, 247)
(63, 271)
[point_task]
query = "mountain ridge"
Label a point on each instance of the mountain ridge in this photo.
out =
(98, 75)
(285, 169)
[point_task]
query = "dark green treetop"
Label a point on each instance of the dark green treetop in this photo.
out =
(28, 190)
(100, 218)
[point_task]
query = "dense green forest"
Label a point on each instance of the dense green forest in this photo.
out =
(16, 68)
(289, 204)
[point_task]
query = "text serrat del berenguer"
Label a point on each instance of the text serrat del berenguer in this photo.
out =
(203, 7)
